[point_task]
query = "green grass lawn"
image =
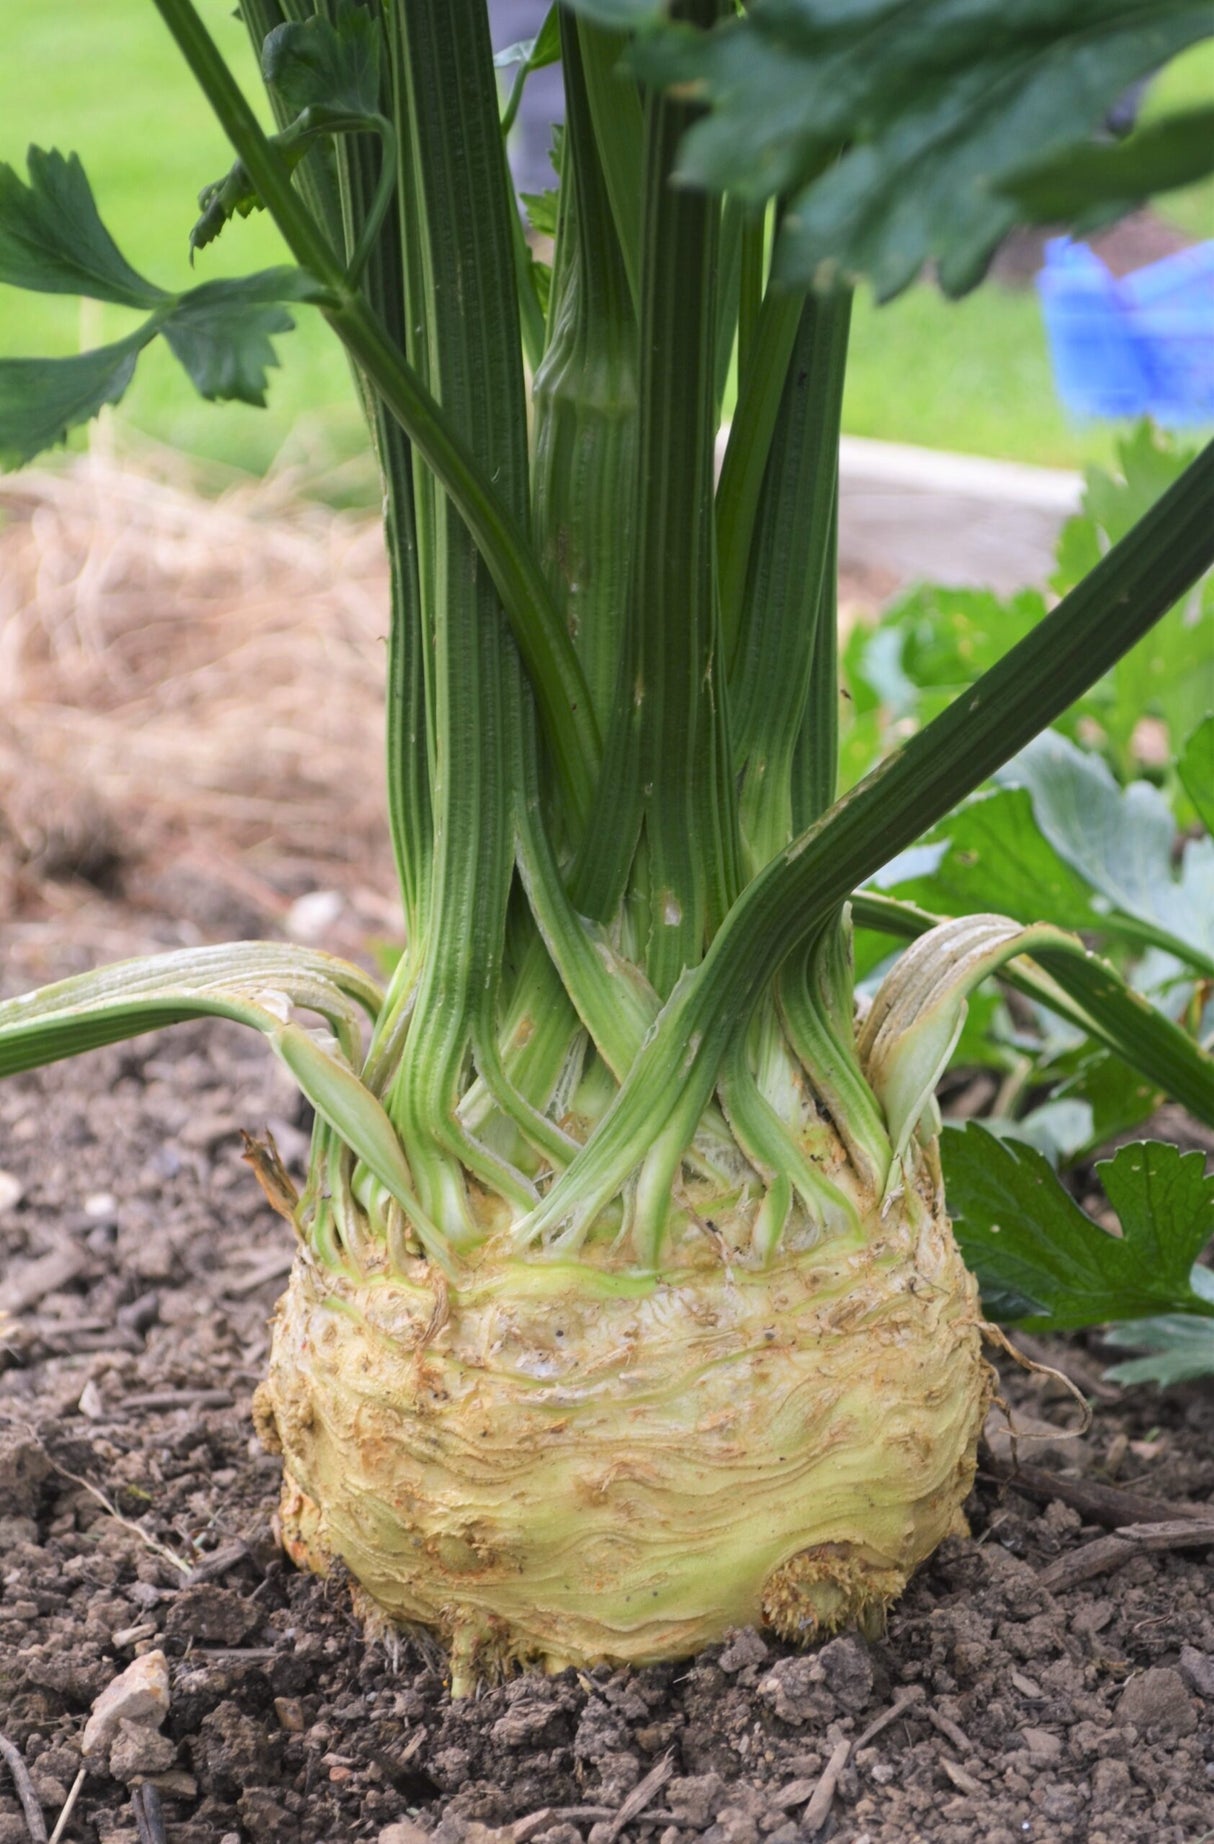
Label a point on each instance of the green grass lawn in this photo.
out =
(106, 81)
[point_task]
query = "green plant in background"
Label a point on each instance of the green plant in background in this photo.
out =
(626, 1306)
(1072, 831)
(934, 641)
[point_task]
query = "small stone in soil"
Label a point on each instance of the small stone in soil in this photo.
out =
(140, 1694)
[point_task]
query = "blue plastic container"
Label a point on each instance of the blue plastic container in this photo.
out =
(1134, 345)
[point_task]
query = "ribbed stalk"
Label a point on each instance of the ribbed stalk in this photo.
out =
(454, 200)
(614, 105)
(354, 164)
(678, 682)
(815, 761)
(339, 182)
(786, 638)
(586, 405)
(744, 467)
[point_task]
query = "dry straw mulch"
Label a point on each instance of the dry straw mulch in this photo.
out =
(188, 680)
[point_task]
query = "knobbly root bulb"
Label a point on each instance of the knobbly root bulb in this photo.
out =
(578, 1464)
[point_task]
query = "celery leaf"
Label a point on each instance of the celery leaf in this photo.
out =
(52, 239)
(324, 72)
(314, 63)
(42, 399)
(1042, 1263)
(1086, 186)
(891, 125)
(222, 332)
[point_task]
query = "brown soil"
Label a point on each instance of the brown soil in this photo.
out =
(140, 1267)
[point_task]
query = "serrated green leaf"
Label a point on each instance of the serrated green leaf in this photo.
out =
(891, 123)
(1149, 461)
(234, 196)
(41, 400)
(223, 331)
(1043, 1263)
(52, 239)
(541, 209)
(1087, 185)
(328, 73)
(1180, 1349)
(951, 636)
(332, 63)
(1196, 767)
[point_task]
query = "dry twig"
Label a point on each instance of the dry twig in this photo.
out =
(69, 1806)
(217, 1563)
(34, 1821)
(818, 1809)
(1110, 1505)
(640, 1796)
(149, 1814)
(1107, 1553)
(179, 1399)
(951, 1730)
